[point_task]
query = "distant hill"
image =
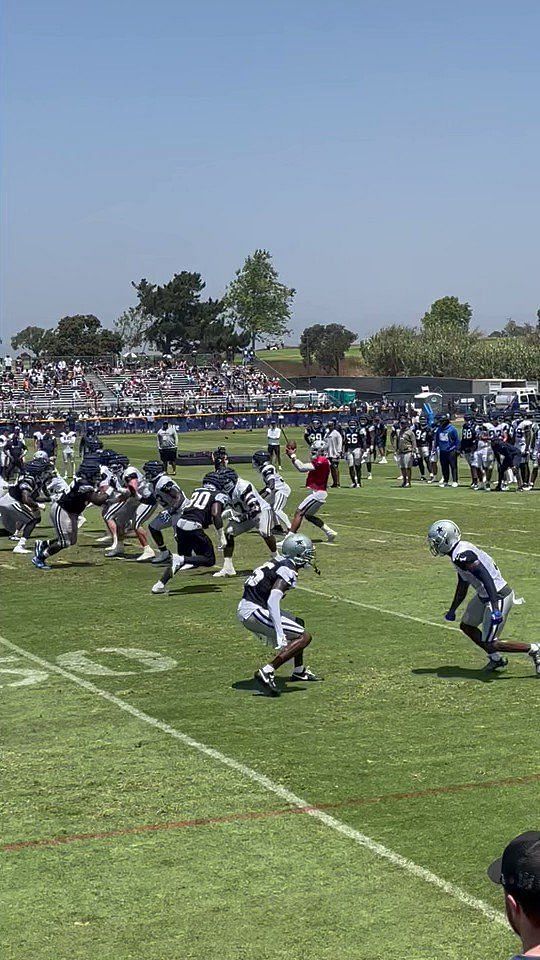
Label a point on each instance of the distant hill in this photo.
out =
(289, 363)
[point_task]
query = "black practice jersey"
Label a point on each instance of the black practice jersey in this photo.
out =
(312, 434)
(469, 437)
(258, 586)
(198, 509)
(16, 449)
(25, 484)
(352, 439)
(423, 435)
(77, 498)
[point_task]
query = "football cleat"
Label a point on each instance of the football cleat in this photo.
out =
(534, 654)
(163, 556)
(493, 665)
(20, 548)
(177, 561)
(306, 675)
(39, 562)
(267, 681)
(115, 552)
(147, 554)
(159, 587)
(330, 535)
(230, 572)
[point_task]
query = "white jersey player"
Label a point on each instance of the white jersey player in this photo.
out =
(486, 614)
(68, 439)
(248, 512)
(276, 491)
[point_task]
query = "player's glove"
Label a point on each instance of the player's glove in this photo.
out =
(222, 539)
(450, 615)
(496, 616)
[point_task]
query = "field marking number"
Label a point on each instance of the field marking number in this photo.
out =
(79, 662)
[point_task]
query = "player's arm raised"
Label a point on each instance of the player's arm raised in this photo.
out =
(297, 464)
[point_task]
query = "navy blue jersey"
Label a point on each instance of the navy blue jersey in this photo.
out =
(352, 439)
(422, 434)
(469, 437)
(312, 434)
(25, 484)
(198, 509)
(258, 586)
(77, 497)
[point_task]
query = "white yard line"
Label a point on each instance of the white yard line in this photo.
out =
(371, 606)
(378, 849)
(418, 536)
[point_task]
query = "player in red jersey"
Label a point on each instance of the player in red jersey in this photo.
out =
(318, 472)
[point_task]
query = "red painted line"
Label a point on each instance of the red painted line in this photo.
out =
(264, 814)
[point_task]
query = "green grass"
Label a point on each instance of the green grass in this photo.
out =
(293, 353)
(404, 714)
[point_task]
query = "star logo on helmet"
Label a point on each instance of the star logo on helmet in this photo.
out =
(440, 530)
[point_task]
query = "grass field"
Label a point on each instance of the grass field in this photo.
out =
(161, 808)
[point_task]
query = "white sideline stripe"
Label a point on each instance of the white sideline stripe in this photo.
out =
(378, 849)
(417, 536)
(371, 606)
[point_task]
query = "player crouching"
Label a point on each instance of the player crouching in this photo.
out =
(487, 612)
(260, 611)
(318, 472)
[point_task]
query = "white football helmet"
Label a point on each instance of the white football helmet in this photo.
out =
(298, 548)
(318, 448)
(443, 535)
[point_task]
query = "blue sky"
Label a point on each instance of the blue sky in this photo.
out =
(385, 152)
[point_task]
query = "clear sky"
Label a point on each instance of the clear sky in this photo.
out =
(386, 152)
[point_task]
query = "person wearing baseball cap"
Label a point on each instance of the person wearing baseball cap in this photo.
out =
(518, 872)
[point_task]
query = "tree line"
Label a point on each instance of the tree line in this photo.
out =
(444, 345)
(174, 317)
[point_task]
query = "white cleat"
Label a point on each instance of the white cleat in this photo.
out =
(330, 535)
(177, 561)
(14, 538)
(147, 554)
(225, 572)
(383, 460)
(370, 476)
(159, 587)
(455, 483)
(20, 548)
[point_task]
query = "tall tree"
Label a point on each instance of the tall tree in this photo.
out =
(132, 326)
(391, 352)
(308, 342)
(175, 313)
(257, 301)
(447, 314)
(333, 341)
(82, 335)
(33, 339)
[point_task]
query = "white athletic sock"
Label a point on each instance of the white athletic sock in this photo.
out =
(534, 648)
(228, 564)
(268, 668)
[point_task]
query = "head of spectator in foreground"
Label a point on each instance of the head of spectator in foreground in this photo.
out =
(518, 872)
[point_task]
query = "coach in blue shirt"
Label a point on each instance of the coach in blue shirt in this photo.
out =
(446, 442)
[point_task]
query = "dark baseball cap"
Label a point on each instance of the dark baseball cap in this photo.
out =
(519, 866)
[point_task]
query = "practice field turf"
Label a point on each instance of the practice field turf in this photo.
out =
(157, 806)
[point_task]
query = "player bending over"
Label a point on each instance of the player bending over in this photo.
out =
(487, 612)
(19, 509)
(168, 495)
(65, 512)
(318, 472)
(195, 549)
(260, 610)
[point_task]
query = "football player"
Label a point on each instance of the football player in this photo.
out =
(484, 458)
(66, 510)
(112, 466)
(509, 460)
(352, 446)
(260, 611)
(14, 451)
(334, 447)
(522, 437)
(423, 436)
(380, 434)
(19, 508)
(367, 435)
(68, 439)
(535, 456)
(487, 612)
(468, 445)
(136, 504)
(314, 431)
(318, 471)
(195, 549)
(168, 495)
(276, 492)
(248, 512)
